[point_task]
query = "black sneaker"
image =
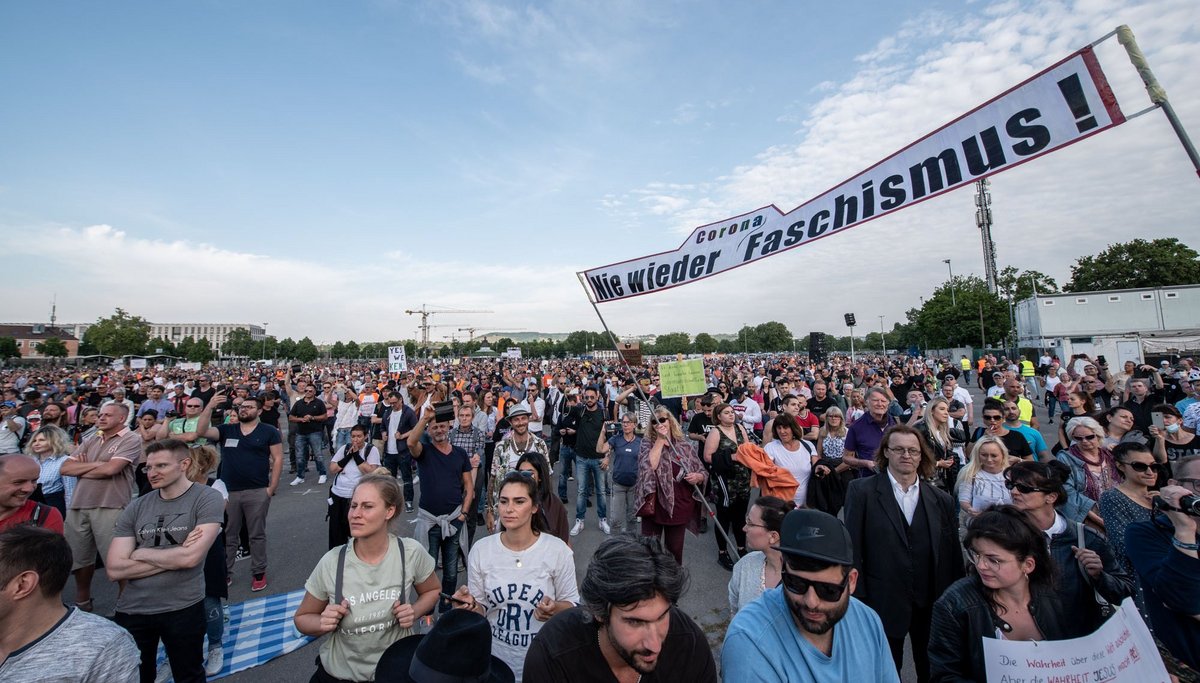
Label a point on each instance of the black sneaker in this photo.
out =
(725, 561)
(408, 507)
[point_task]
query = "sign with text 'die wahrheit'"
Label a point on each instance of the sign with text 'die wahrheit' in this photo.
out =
(1064, 104)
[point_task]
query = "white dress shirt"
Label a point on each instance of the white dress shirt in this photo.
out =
(907, 500)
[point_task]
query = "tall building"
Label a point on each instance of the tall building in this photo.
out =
(215, 333)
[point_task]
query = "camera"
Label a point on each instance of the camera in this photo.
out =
(443, 411)
(1188, 504)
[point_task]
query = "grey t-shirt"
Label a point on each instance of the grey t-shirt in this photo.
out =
(156, 523)
(82, 648)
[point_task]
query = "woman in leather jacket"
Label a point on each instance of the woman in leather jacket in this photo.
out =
(1009, 595)
(1085, 574)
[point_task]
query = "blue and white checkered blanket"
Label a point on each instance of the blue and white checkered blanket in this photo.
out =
(258, 631)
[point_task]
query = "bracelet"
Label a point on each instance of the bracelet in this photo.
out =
(1184, 546)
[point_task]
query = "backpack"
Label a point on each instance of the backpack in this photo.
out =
(341, 572)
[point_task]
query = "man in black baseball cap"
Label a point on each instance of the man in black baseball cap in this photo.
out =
(809, 628)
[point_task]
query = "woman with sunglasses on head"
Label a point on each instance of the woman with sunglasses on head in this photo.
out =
(551, 509)
(1038, 489)
(761, 568)
(1009, 596)
(1092, 471)
(520, 577)
(980, 484)
(668, 475)
(731, 479)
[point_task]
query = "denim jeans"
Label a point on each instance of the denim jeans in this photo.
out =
(182, 634)
(214, 621)
(448, 549)
(566, 456)
(589, 476)
(307, 444)
(342, 438)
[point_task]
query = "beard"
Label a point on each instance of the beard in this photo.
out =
(831, 615)
(629, 656)
(247, 420)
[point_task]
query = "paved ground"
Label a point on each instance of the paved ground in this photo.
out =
(296, 539)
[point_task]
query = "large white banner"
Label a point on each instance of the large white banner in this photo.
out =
(1120, 650)
(1062, 105)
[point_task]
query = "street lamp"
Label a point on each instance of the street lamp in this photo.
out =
(264, 354)
(951, 269)
(882, 338)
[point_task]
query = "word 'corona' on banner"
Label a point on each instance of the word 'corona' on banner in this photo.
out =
(1063, 104)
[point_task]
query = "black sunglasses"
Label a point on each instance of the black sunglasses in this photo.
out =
(1023, 488)
(662, 420)
(829, 592)
(1141, 466)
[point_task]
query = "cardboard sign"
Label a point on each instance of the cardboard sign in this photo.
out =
(137, 363)
(682, 378)
(631, 352)
(1120, 650)
(514, 352)
(397, 359)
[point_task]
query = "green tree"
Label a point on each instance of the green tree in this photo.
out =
(704, 343)
(410, 348)
(1019, 286)
(269, 348)
(239, 343)
(306, 351)
(160, 345)
(672, 343)
(201, 351)
(119, 334)
(941, 323)
(729, 346)
(353, 350)
(53, 348)
(772, 336)
(287, 348)
(1139, 263)
(338, 350)
(9, 348)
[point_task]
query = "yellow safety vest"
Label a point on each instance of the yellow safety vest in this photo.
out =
(1026, 368)
(966, 364)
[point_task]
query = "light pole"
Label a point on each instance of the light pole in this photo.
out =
(951, 269)
(264, 355)
(746, 337)
(882, 338)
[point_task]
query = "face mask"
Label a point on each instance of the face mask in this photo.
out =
(1172, 429)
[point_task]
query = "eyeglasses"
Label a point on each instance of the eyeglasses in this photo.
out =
(1141, 466)
(662, 420)
(829, 592)
(984, 560)
(1023, 488)
(911, 452)
(194, 405)
(749, 523)
(1193, 484)
(992, 418)
(1087, 437)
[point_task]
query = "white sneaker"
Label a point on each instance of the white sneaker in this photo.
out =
(215, 662)
(577, 528)
(321, 479)
(164, 672)
(605, 527)
(297, 481)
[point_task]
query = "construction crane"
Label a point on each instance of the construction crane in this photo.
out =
(471, 332)
(424, 312)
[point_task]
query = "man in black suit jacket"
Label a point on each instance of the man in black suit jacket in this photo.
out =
(906, 549)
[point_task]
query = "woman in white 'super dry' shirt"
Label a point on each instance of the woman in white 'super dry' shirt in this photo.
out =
(520, 577)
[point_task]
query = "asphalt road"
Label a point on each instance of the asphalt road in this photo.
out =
(296, 539)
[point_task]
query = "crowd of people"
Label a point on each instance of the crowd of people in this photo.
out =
(876, 499)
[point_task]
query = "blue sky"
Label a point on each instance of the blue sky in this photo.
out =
(379, 155)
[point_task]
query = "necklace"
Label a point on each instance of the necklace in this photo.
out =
(522, 449)
(517, 551)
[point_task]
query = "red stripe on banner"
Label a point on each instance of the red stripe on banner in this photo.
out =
(1102, 86)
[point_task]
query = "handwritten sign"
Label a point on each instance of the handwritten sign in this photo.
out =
(397, 359)
(514, 352)
(682, 378)
(1120, 650)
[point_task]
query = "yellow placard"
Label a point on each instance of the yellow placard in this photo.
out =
(682, 378)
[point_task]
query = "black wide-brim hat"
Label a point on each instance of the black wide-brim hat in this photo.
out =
(457, 650)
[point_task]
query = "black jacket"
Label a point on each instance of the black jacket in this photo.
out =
(881, 555)
(1076, 589)
(962, 618)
